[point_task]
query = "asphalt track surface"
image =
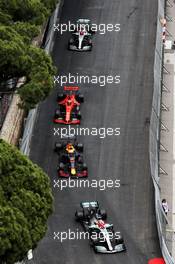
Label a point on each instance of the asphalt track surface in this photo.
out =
(130, 208)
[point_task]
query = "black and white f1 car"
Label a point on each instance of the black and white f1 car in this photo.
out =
(102, 235)
(71, 163)
(81, 39)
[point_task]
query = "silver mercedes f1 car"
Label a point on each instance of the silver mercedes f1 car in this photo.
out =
(81, 39)
(102, 236)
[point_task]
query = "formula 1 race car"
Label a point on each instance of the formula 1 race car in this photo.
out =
(69, 106)
(81, 39)
(71, 163)
(102, 236)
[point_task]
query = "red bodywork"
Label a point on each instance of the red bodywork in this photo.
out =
(156, 261)
(70, 103)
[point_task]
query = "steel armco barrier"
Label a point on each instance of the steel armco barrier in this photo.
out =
(29, 125)
(155, 135)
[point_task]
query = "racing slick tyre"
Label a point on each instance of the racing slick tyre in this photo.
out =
(71, 41)
(84, 166)
(69, 44)
(80, 147)
(119, 240)
(57, 113)
(77, 108)
(91, 31)
(60, 97)
(94, 240)
(58, 147)
(80, 160)
(80, 98)
(95, 249)
(79, 115)
(103, 214)
(61, 166)
(79, 216)
(90, 49)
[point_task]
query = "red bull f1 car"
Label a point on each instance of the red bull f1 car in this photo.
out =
(69, 106)
(71, 162)
(102, 237)
(81, 39)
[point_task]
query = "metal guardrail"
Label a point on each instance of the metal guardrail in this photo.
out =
(27, 135)
(154, 140)
(30, 121)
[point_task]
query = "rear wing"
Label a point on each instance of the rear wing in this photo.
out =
(71, 88)
(69, 137)
(93, 204)
(83, 20)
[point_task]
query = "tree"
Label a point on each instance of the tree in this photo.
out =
(19, 20)
(32, 11)
(39, 82)
(5, 18)
(20, 59)
(25, 204)
(50, 4)
(12, 54)
(26, 30)
(35, 90)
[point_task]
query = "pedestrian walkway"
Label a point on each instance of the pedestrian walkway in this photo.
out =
(167, 135)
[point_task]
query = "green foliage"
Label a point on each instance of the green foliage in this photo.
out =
(32, 11)
(12, 53)
(38, 59)
(39, 72)
(25, 204)
(5, 18)
(26, 30)
(50, 4)
(19, 24)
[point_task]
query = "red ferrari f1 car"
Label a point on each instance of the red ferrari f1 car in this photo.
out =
(69, 106)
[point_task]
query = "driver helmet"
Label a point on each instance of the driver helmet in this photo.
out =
(70, 148)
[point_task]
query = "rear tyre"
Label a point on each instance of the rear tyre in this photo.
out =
(103, 214)
(80, 98)
(68, 47)
(57, 113)
(79, 216)
(91, 31)
(58, 147)
(60, 97)
(80, 147)
(79, 115)
(71, 41)
(84, 166)
(61, 166)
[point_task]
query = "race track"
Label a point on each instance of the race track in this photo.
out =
(129, 53)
